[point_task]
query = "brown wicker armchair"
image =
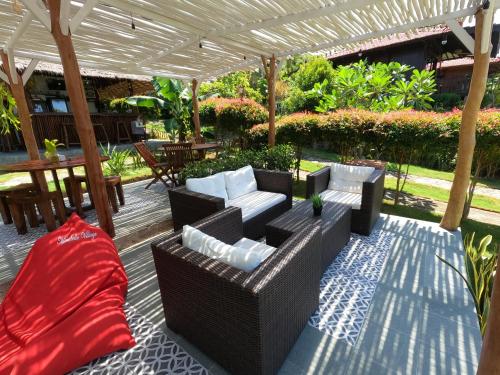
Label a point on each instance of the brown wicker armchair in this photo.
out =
(364, 218)
(188, 207)
(247, 322)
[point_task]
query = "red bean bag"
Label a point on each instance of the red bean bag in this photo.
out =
(65, 306)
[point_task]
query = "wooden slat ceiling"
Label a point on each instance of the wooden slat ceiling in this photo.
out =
(232, 34)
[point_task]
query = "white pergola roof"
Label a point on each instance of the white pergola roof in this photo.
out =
(233, 34)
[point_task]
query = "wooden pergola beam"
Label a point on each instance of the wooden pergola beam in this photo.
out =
(461, 34)
(29, 71)
(83, 123)
(270, 72)
(196, 111)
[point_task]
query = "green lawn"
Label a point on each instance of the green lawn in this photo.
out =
(318, 154)
(130, 175)
(310, 166)
(416, 170)
(439, 194)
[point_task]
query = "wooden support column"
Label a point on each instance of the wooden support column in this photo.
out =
(83, 123)
(196, 111)
(16, 87)
(467, 136)
(17, 90)
(270, 73)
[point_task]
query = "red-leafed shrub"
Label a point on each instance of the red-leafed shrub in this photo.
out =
(428, 138)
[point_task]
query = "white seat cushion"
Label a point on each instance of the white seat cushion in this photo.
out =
(256, 202)
(260, 248)
(212, 185)
(240, 182)
(237, 256)
(348, 178)
(352, 199)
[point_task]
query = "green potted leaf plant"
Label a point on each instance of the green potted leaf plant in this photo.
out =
(51, 150)
(317, 204)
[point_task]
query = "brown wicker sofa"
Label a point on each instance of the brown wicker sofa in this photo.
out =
(364, 218)
(247, 322)
(188, 207)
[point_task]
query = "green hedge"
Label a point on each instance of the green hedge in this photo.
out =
(426, 138)
(232, 115)
(281, 158)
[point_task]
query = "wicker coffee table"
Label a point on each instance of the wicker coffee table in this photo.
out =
(335, 221)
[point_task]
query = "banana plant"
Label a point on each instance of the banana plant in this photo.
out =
(8, 119)
(480, 266)
(173, 101)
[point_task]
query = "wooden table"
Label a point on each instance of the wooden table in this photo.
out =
(33, 166)
(205, 146)
(335, 222)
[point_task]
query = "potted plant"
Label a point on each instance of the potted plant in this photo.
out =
(317, 204)
(51, 150)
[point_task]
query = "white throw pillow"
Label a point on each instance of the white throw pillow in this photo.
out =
(348, 178)
(240, 182)
(212, 185)
(211, 247)
(192, 238)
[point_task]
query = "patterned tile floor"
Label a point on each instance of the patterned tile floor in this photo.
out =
(348, 285)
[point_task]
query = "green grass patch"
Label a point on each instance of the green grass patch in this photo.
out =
(442, 195)
(299, 189)
(310, 166)
(312, 153)
(416, 170)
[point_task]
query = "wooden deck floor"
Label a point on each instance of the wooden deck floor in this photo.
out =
(146, 213)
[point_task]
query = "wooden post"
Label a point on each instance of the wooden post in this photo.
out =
(467, 136)
(270, 72)
(17, 90)
(83, 123)
(196, 112)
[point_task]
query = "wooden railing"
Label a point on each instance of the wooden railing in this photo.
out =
(51, 126)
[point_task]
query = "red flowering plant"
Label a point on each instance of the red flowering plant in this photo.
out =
(404, 137)
(232, 117)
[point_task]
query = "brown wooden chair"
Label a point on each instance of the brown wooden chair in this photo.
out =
(100, 133)
(4, 207)
(159, 170)
(178, 155)
(23, 204)
(69, 134)
(123, 132)
(114, 188)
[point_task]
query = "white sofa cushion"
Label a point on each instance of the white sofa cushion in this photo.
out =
(263, 249)
(237, 256)
(212, 185)
(348, 178)
(256, 202)
(240, 182)
(352, 199)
